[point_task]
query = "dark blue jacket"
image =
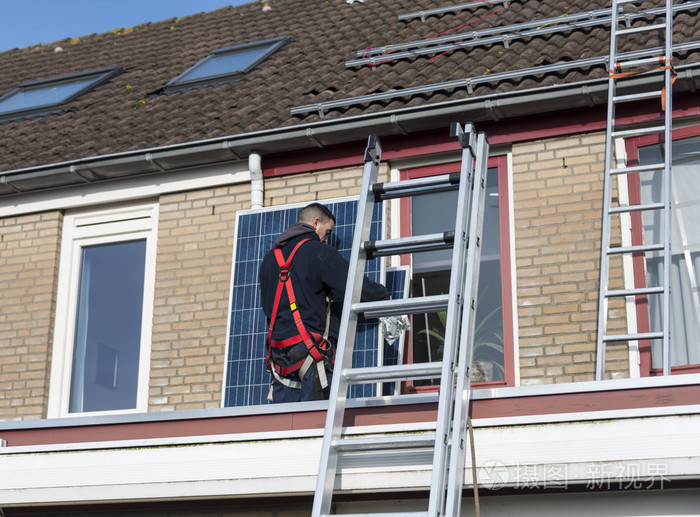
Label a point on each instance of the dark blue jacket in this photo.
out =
(317, 270)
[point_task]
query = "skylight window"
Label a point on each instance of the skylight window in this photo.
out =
(226, 65)
(44, 96)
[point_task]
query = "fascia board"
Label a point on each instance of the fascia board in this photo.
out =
(584, 453)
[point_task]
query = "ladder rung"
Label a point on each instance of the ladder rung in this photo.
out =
(639, 131)
(374, 514)
(635, 249)
(634, 292)
(417, 305)
(638, 168)
(636, 208)
(637, 96)
(645, 28)
(377, 443)
(416, 186)
(416, 243)
(629, 63)
(401, 372)
(633, 337)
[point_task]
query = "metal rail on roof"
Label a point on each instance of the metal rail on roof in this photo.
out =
(450, 9)
(470, 82)
(484, 32)
(505, 34)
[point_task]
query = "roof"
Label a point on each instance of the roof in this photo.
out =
(132, 112)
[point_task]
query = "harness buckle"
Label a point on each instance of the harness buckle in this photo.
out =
(285, 273)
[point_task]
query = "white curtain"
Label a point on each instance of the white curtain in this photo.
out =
(685, 249)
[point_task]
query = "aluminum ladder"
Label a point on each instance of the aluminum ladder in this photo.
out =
(447, 464)
(621, 67)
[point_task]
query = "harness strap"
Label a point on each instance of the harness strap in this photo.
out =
(314, 342)
(306, 364)
(291, 341)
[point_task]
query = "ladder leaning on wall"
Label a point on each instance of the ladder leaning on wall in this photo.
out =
(444, 449)
(625, 66)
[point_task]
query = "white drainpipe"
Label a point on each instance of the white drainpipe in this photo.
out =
(256, 180)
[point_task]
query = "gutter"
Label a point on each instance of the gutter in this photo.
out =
(322, 134)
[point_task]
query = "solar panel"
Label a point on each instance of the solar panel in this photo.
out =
(246, 381)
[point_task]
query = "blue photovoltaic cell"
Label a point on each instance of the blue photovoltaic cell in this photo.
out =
(247, 382)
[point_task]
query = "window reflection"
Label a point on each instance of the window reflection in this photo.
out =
(108, 327)
(434, 213)
(685, 249)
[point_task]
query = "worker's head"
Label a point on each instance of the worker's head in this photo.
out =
(320, 218)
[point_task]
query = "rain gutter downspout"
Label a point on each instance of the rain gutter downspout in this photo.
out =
(257, 188)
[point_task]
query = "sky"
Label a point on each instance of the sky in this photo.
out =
(24, 23)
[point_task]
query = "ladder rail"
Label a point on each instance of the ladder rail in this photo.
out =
(466, 347)
(348, 324)
(446, 396)
(607, 194)
(668, 144)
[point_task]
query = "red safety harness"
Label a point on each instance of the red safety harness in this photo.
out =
(316, 345)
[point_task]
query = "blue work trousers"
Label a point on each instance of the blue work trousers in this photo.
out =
(310, 384)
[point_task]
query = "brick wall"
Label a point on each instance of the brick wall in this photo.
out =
(193, 270)
(29, 256)
(558, 194)
(316, 186)
(557, 205)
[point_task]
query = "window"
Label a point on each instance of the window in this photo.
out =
(493, 346)
(42, 97)
(103, 317)
(647, 227)
(226, 65)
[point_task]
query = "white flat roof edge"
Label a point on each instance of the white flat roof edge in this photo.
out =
(300, 407)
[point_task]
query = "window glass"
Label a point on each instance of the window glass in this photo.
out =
(431, 276)
(685, 248)
(39, 96)
(48, 94)
(226, 65)
(219, 64)
(108, 327)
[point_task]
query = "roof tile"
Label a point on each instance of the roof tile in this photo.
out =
(128, 113)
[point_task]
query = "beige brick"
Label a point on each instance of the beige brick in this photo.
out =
(557, 254)
(191, 294)
(29, 254)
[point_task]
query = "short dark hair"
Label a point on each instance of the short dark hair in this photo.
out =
(314, 210)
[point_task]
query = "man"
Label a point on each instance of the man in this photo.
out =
(303, 332)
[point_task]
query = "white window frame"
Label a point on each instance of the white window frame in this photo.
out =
(85, 228)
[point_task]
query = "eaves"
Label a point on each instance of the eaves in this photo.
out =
(236, 148)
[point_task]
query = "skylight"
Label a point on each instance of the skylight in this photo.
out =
(44, 96)
(226, 65)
